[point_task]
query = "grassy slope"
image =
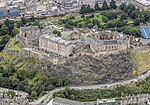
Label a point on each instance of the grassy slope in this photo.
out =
(14, 45)
(141, 60)
(18, 62)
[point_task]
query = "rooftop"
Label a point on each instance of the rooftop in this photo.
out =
(96, 42)
(2, 4)
(57, 39)
(106, 100)
(144, 2)
(66, 101)
(29, 28)
(32, 37)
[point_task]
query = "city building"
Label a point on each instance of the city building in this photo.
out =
(63, 101)
(72, 3)
(143, 99)
(107, 102)
(108, 1)
(145, 31)
(30, 35)
(142, 4)
(8, 11)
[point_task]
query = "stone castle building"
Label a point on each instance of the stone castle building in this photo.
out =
(30, 35)
(56, 45)
(73, 43)
(108, 42)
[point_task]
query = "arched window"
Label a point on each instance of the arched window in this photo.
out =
(106, 48)
(25, 35)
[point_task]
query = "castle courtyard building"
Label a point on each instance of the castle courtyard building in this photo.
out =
(56, 45)
(30, 34)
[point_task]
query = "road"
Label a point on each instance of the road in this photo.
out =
(46, 98)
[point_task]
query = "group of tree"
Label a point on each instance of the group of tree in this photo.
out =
(30, 81)
(94, 94)
(105, 6)
(10, 28)
(134, 13)
(86, 9)
(7, 30)
(121, 20)
(84, 21)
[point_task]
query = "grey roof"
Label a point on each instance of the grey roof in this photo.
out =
(96, 42)
(47, 30)
(110, 42)
(58, 40)
(66, 101)
(65, 33)
(70, 1)
(29, 28)
(120, 42)
(32, 37)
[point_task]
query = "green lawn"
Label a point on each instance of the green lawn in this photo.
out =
(98, 17)
(130, 22)
(14, 45)
(141, 60)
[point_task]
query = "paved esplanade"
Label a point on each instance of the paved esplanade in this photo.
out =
(46, 98)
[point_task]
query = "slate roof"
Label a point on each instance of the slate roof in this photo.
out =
(96, 42)
(110, 42)
(58, 40)
(66, 101)
(32, 37)
(29, 28)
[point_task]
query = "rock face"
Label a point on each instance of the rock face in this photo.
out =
(89, 70)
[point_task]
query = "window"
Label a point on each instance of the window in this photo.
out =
(25, 35)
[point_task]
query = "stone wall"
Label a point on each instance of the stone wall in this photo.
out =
(101, 53)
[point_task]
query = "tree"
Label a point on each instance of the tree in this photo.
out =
(96, 7)
(82, 16)
(90, 25)
(88, 9)
(5, 39)
(137, 22)
(32, 18)
(130, 8)
(11, 93)
(95, 21)
(14, 81)
(123, 16)
(22, 85)
(145, 16)
(6, 83)
(4, 30)
(113, 4)
(11, 28)
(7, 22)
(104, 19)
(23, 21)
(33, 95)
(105, 6)
(122, 6)
(15, 31)
(83, 9)
(134, 14)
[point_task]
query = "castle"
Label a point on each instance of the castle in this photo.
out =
(91, 43)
